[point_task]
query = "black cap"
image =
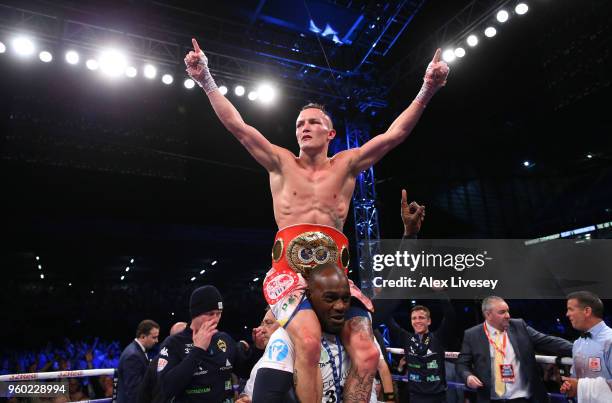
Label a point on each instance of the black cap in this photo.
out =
(204, 299)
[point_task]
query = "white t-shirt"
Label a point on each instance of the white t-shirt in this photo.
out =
(280, 355)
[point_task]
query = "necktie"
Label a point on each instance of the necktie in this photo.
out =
(500, 386)
(586, 335)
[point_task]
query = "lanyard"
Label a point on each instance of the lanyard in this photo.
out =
(501, 351)
(337, 376)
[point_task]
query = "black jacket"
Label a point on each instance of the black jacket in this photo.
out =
(132, 367)
(419, 368)
(149, 391)
(475, 356)
(190, 374)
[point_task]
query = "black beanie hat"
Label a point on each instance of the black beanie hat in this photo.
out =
(204, 299)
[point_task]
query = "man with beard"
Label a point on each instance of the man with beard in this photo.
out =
(329, 296)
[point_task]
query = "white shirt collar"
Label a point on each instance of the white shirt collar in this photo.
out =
(492, 330)
(597, 328)
(144, 350)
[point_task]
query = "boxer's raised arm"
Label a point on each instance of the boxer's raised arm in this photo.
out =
(264, 152)
(372, 151)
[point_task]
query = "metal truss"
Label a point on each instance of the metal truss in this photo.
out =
(385, 34)
(364, 208)
(56, 29)
(229, 62)
(288, 56)
(451, 33)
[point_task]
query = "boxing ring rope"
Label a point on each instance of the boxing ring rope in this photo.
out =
(540, 359)
(56, 375)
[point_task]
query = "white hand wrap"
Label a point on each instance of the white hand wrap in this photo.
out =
(201, 75)
(432, 82)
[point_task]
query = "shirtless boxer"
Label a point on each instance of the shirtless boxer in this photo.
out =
(311, 195)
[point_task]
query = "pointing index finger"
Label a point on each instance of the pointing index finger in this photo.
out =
(404, 197)
(196, 47)
(436, 57)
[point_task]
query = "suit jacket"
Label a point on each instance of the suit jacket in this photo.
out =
(475, 357)
(132, 367)
(149, 390)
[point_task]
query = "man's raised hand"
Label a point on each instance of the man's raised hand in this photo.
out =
(435, 78)
(197, 68)
(413, 215)
(195, 60)
(437, 70)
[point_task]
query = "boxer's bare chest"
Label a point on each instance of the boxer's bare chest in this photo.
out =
(304, 194)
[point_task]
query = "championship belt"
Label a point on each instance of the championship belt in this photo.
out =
(301, 247)
(297, 249)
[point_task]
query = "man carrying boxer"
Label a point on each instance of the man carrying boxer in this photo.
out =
(311, 196)
(271, 378)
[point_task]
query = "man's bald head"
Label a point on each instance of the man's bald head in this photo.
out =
(329, 295)
(329, 270)
(178, 327)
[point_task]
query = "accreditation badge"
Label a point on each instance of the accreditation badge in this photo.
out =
(595, 364)
(507, 373)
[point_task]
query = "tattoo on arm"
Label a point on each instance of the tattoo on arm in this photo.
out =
(358, 388)
(361, 324)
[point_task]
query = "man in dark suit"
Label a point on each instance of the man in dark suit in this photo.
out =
(149, 388)
(498, 356)
(134, 361)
